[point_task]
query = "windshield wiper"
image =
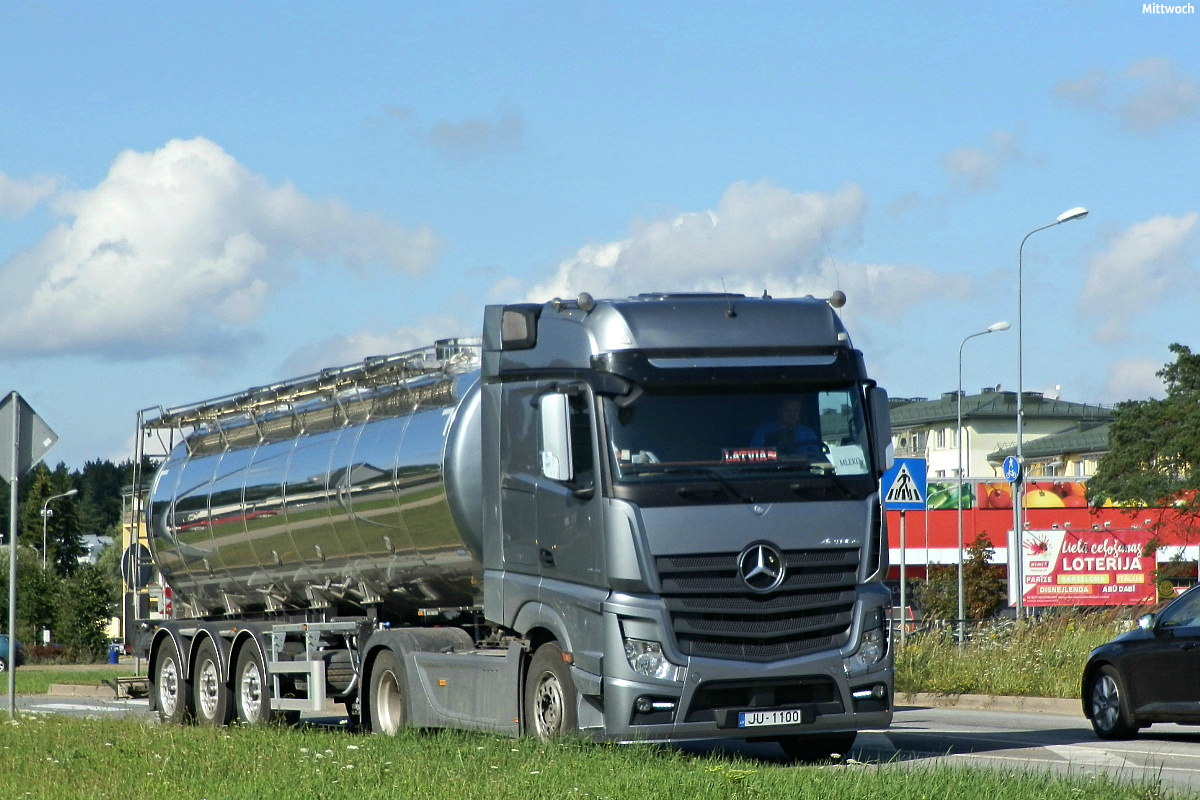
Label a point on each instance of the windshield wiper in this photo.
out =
(830, 475)
(684, 491)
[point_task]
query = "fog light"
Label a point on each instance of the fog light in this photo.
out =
(648, 705)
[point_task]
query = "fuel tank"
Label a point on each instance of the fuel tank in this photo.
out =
(363, 496)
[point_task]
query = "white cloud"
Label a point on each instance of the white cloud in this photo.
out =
(340, 350)
(19, 197)
(1133, 379)
(177, 250)
(759, 238)
(1148, 96)
(758, 234)
(975, 168)
(1145, 263)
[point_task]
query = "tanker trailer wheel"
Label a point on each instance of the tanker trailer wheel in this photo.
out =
(551, 701)
(252, 691)
(388, 705)
(171, 693)
(212, 693)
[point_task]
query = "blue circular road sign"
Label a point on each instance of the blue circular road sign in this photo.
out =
(1012, 469)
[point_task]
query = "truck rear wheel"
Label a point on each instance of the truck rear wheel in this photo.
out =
(212, 693)
(551, 701)
(171, 693)
(389, 707)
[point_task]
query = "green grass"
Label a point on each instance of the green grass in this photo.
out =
(1039, 659)
(57, 757)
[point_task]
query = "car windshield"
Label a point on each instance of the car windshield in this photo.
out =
(739, 432)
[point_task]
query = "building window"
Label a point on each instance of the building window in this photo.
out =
(941, 438)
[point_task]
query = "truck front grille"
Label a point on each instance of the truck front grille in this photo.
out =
(715, 615)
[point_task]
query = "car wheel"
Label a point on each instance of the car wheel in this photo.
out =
(3, 665)
(818, 746)
(551, 701)
(1107, 706)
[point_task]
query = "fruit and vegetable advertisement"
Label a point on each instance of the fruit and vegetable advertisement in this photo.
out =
(1087, 568)
(943, 495)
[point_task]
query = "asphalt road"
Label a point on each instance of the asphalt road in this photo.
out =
(1059, 740)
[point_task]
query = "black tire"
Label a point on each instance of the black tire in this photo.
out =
(386, 697)
(172, 694)
(818, 746)
(1107, 707)
(551, 700)
(212, 695)
(3, 665)
(251, 689)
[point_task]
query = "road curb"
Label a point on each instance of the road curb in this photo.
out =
(79, 690)
(988, 702)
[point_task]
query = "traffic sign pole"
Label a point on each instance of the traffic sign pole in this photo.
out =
(31, 438)
(1013, 473)
(12, 555)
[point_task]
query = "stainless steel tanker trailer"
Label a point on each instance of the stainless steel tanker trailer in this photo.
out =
(652, 518)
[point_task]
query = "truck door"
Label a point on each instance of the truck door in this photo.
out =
(570, 538)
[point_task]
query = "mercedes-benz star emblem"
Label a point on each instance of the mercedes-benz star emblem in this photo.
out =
(761, 567)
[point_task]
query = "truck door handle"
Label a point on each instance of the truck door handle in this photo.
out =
(546, 557)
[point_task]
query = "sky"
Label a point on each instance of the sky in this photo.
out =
(198, 198)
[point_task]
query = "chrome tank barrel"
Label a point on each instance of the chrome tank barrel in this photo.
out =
(378, 503)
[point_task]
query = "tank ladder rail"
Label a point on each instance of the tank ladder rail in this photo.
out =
(447, 356)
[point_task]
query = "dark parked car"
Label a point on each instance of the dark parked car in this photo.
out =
(17, 656)
(1148, 674)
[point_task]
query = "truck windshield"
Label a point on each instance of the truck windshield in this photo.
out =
(739, 432)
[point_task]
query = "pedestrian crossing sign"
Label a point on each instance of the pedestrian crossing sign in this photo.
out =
(903, 486)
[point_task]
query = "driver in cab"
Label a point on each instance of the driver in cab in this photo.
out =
(787, 435)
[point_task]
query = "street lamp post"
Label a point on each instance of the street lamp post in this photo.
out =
(1019, 483)
(46, 512)
(999, 326)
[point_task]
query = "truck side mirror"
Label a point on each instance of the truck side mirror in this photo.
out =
(881, 428)
(555, 416)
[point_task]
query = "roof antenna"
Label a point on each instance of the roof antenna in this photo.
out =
(837, 277)
(838, 298)
(729, 310)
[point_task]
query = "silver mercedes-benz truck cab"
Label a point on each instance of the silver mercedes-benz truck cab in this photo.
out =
(684, 491)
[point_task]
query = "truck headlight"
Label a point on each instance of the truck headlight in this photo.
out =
(646, 658)
(871, 648)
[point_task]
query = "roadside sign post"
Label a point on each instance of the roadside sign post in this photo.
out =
(30, 439)
(1012, 473)
(903, 489)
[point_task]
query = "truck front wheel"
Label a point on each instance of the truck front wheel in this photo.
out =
(389, 707)
(551, 701)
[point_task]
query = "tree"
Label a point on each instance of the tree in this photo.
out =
(100, 484)
(1153, 458)
(64, 542)
(83, 622)
(983, 588)
(37, 594)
